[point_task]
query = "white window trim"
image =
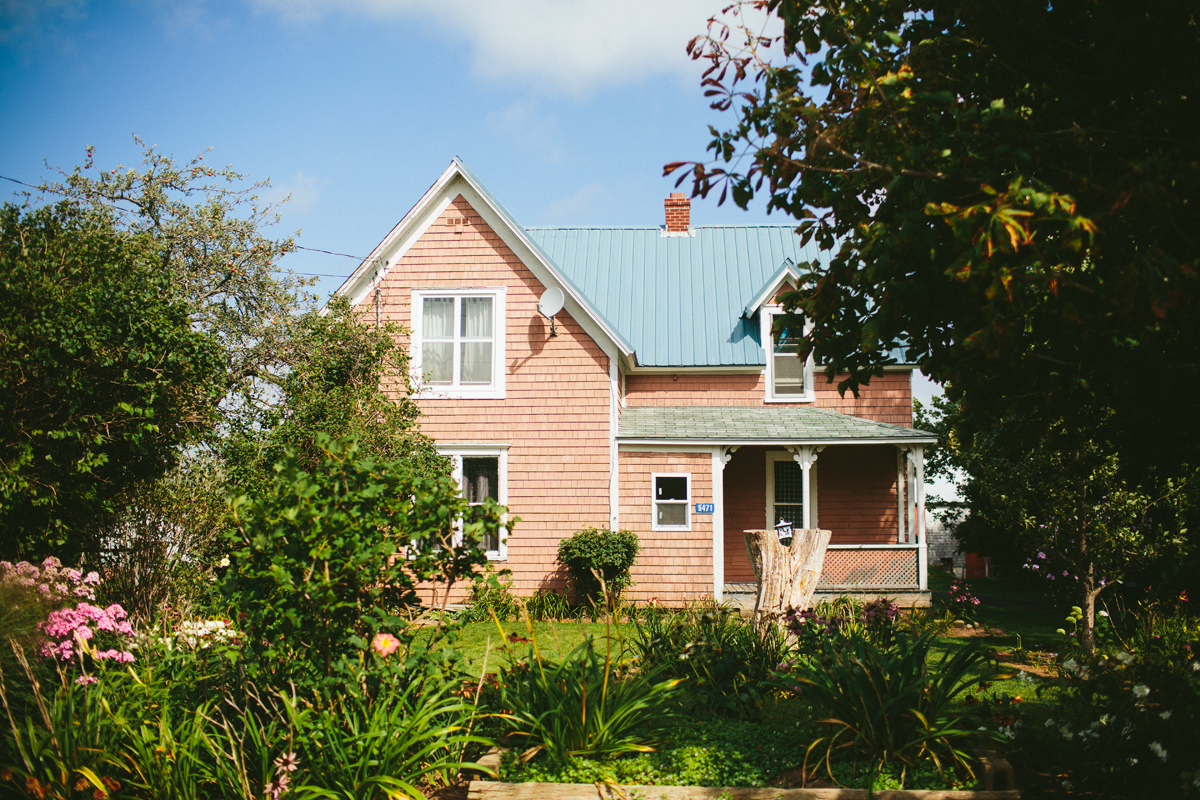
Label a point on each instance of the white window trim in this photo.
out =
(499, 334)
(772, 519)
(654, 526)
(456, 453)
(765, 316)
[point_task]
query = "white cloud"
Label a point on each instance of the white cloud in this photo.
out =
(578, 205)
(573, 45)
(301, 193)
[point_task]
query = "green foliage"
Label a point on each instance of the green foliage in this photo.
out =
(102, 376)
(346, 379)
(164, 544)
(387, 746)
(591, 705)
(1128, 717)
(599, 551)
(912, 137)
(492, 597)
(716, 752)
(206, 225)
(889, 704)
(726, 662)
(549, 604)
(328, 558)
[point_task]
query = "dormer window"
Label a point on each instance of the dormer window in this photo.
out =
(789, 379)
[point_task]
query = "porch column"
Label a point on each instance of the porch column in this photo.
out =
(806, 455)
(922, 547)
(902, 485)
(720, 457)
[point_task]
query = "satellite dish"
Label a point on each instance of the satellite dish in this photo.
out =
(551, 302)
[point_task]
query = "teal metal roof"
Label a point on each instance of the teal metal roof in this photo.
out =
(677, 299)
(757, 424)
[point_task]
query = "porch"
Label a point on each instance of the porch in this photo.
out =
(862, 480)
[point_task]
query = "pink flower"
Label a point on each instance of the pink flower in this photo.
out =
(385, 644)
(85, 679)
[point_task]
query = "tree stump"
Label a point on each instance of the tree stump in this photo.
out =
(787, 574)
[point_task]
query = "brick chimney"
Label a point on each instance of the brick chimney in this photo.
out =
(679, 213)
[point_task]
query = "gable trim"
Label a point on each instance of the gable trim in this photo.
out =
(458, 180)
(787, 271)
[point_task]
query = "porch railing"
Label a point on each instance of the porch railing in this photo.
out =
(871, 568)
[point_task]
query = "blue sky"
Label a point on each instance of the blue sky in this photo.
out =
(566, 109)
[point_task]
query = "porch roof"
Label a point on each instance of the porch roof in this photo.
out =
(727, 425)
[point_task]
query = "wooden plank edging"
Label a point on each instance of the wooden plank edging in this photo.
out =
(496, 790)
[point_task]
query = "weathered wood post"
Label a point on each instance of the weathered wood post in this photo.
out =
(787, 573)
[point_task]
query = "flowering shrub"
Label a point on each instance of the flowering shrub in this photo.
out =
(51, 584)
(962, 602)
(201, 634)
(71, 628)
(1128, 718)
(844, 618)
(68, 624)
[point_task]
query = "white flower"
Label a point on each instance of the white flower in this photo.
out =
(1070, 665)
(1159, 751)
(1101, 613)
(224, 562)
(1195, 666)
(1066, 733)
(1048, 723)
(1165, 715)
(1125, 657)
(1141, 690)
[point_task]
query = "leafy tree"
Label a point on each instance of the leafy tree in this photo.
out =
(208, 227)
(1063, 505)
(346, 380)
(331, 553)
(102, 377)
(1010, 190)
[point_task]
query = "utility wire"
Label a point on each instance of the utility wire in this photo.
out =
(294, 246)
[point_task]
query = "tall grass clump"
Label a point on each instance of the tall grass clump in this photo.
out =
(727, 663)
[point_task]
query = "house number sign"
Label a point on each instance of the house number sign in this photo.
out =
(705, 508)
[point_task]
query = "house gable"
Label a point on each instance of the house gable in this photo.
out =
(455, 184)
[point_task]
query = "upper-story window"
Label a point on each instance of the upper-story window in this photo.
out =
(458, 342)
(789, 379)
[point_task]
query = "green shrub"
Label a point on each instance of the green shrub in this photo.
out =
(329, 557)
(888, 705)
(598, 553)
(492, 595)
(1127, 718)
(728, 663)
(549, 604)
(589, 706)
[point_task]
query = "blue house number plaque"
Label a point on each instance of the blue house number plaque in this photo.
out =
(705, 508)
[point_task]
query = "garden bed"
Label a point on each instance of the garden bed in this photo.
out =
(495, 790)
(995, 779)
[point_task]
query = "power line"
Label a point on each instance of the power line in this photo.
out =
(294, 246)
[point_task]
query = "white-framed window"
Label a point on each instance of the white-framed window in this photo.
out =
(482, 472)
(672, 501)
(785, 490)
(458, 342)
(789, 380)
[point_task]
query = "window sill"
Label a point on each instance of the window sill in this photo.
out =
(459, 394)
(799, 398)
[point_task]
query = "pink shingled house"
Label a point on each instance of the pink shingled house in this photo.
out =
(649, 401)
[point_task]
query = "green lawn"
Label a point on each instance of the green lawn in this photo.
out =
(481, 642)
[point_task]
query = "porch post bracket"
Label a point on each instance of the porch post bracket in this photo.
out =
(727, 454)
(806, 455)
